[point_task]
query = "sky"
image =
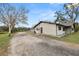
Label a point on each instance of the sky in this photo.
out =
(39, 12)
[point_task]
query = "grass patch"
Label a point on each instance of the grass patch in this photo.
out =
(4, 43)
(73, 38)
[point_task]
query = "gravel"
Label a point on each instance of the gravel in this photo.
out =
(26, 45)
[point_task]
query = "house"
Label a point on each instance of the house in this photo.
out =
(54, 29)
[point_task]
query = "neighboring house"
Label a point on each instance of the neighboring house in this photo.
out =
(53, 29)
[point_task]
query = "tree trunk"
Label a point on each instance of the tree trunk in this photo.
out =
(10, 30)
(73, 26)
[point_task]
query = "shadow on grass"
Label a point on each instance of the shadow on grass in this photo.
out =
(2, 32)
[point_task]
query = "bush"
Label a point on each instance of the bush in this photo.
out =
(20, 29)
(76, 27)
(3, 28)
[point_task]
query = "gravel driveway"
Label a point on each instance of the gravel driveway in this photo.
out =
(26, 45)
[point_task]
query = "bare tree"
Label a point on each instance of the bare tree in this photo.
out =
(11, 16)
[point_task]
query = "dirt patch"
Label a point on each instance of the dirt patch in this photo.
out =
(23, 44)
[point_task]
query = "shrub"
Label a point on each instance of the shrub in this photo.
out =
(76, 27)
(3, 28)
(20, 29)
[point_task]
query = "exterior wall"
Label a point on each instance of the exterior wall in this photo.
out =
(60, 32)
(69, 30)
(49, 29)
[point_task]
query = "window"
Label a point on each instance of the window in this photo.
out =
(59, 27)
(63, 28)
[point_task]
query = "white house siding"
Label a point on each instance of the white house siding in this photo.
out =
(60, 32)
(49, 29)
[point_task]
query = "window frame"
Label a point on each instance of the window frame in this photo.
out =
(64, 29)
(59, 27)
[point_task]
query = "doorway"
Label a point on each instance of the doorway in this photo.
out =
(41, 30)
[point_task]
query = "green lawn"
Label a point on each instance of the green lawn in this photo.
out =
(74, 38)
(4, 43)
